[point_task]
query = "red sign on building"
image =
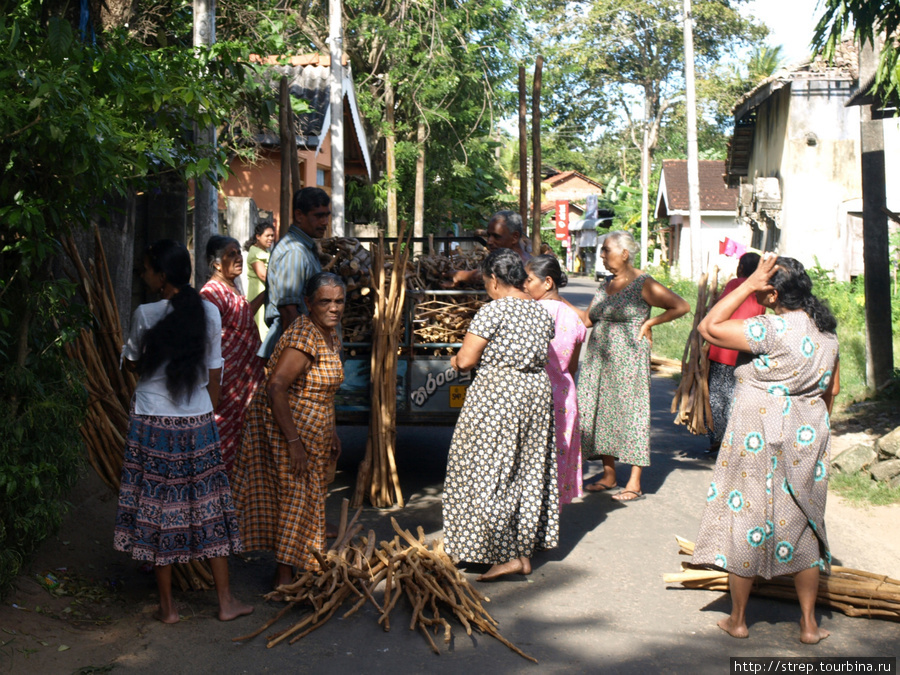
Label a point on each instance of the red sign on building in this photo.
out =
(562, 220)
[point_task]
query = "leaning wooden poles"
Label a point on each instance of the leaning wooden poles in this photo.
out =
(691, 401)
(377, 474)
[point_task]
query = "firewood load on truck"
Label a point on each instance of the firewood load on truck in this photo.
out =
(429, 391)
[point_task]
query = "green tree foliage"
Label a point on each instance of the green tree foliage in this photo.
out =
(866, 19)
(81, 124)
(447, 64)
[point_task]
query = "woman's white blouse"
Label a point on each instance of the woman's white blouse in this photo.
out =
(151, 396)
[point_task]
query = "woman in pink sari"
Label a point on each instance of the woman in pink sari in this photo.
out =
(545, 278)
(243, 370)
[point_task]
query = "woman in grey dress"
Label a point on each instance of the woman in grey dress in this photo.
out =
(501, 501)
(765, 507)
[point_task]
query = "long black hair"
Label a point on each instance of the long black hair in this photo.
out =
(795, 292)
(261, 226)
(548, 266)
(178, 340)
(506, 266)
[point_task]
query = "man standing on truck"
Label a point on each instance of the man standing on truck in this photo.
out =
(293, 262)
(505, 230)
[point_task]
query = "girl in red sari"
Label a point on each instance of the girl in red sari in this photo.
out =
(243, 370)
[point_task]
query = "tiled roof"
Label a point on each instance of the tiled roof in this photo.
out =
(715, 195)
(560, 178)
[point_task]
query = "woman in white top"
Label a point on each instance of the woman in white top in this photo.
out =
(174, 499)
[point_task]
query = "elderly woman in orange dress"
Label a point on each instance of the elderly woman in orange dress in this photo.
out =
(290, 436)
(243, 370)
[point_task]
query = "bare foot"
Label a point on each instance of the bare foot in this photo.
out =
(813, 636)
(232, 609)
(166, 617)
(734, 631)
(526, 565)
(511, 567)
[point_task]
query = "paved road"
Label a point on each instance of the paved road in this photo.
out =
(597, 602)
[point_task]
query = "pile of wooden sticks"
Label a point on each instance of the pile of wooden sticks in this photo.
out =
(853, 592)
(445, 319)
(691, 401)
(354, 568)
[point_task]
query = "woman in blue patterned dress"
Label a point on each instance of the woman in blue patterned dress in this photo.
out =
(174, 499)
(501, 502)
(766, 505)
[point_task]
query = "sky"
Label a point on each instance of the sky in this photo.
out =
(792, 23)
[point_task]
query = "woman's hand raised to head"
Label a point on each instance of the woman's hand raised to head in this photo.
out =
(759, 280)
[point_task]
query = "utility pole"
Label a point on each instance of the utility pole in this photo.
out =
(693, 167)
(336, 41)
(206, 199)
(879, 333)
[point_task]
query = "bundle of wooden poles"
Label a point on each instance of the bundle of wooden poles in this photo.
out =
(109, 388)
(355, 567)
(691, 401)
(377, 476)
(853, 592)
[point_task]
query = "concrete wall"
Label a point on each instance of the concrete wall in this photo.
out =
(808, 140)
(261, 180)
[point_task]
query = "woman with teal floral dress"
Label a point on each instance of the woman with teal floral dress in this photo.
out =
(766, 504)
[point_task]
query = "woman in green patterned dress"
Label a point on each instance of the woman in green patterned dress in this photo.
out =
(614, 384)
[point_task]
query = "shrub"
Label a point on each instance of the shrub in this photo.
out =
(41, 449)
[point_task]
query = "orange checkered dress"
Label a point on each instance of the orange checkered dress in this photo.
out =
(278, 511)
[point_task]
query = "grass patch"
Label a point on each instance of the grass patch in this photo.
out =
(846, 300)
(860, 489)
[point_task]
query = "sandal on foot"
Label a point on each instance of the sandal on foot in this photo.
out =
(621, 498)
(597, 486)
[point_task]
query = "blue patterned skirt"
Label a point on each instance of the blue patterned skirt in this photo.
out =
(174, 499)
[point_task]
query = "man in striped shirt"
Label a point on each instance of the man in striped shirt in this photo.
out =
(293, 262)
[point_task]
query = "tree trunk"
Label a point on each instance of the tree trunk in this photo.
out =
(523, 148)
(536, 151)
(419, 200)
(390, 160)
(284, 129)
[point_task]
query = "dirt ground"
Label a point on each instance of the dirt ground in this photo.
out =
(99, 620)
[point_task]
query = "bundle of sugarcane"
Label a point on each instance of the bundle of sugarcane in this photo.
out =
(109, 387)
(691, 400)
(853, 592)
(445, 318)
(354, 567)
(377, 474)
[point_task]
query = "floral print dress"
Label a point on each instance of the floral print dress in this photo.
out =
(570, 333)
(500, 494)
(614, 382)
(765, 507)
